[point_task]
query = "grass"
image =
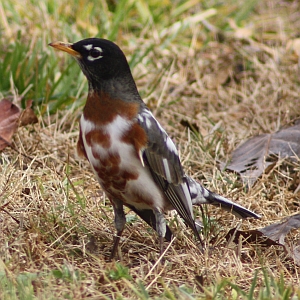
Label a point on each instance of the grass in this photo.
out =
(226, 70)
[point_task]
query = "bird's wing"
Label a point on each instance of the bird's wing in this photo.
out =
(162, 158)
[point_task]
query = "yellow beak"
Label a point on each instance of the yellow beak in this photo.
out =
(66, 47)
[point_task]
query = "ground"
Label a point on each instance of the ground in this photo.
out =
(214, 74)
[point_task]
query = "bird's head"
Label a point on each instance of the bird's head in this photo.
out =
(100, 60)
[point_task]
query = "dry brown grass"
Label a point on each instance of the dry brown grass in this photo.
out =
(55, 217)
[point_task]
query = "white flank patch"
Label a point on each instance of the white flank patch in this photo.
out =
(118, 127)
(144, 185)
(85, 125)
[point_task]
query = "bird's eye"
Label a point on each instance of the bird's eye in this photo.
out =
(95, 53)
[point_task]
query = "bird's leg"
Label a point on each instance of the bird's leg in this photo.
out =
(120, 221)
(160, 228)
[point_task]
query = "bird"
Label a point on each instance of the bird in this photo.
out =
(133, 158)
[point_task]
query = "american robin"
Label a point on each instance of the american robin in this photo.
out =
(132, 156)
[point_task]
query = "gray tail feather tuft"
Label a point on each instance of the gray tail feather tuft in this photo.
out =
(201, 195)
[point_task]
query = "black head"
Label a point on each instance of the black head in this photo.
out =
(100, 60)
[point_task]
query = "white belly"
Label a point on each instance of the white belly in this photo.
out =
(140, 190)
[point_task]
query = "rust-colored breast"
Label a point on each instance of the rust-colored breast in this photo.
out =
(137, 137)
(109, 158)
(111, 176)
(102, 109)
(98, 137)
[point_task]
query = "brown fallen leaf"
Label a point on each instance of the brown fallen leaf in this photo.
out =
(9, 116)
(278, 231)
(257, 154)
(271, 235)
(294, 253)
(250, 236)
(28, 116)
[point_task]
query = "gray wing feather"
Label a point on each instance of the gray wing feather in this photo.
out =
(162, 158)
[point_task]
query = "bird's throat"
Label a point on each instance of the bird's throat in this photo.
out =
(101, 108)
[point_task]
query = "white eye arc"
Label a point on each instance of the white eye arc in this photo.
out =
(99, 49)
(88, 47)
(95, 52)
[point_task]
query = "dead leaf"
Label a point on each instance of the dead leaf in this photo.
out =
(294, 253)
(28, 116)
(11, 118)
(261, 152)
(9, 115)
(250, 236)
(277, 232)
(271, 235)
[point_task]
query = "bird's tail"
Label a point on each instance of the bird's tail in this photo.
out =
(201, 195)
